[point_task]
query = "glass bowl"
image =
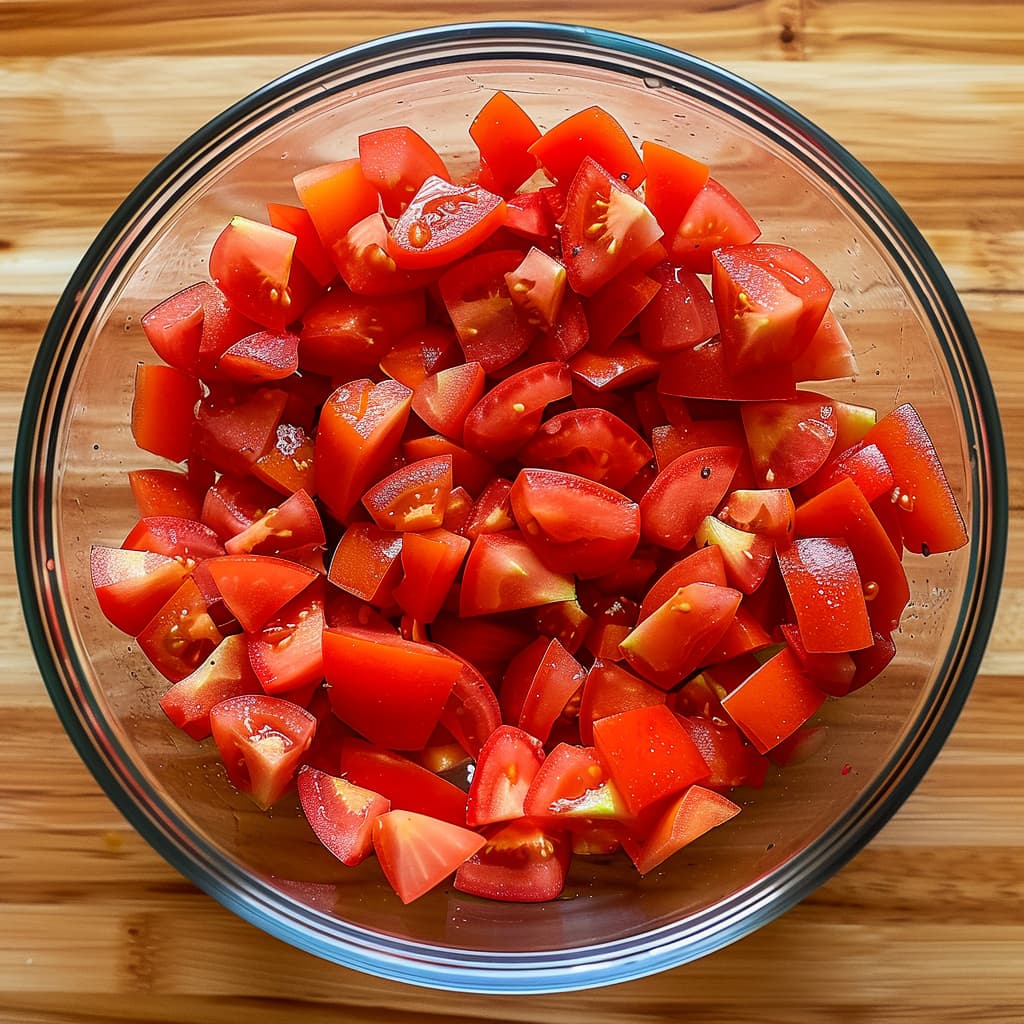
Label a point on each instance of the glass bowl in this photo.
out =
(912, 340)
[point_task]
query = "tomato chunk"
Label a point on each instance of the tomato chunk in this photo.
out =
(505, 768)
(340, 813)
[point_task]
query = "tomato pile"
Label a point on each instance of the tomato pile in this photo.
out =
(508, 479)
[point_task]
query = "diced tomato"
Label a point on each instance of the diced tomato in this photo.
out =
(591, 134)
(569, 333)
(340, 813)
(505, 767)
(417, 852)
(556, 681)
(336, 196)
(616, 305)
(261, 740)
(702, 372)
(789, 440)
(443, 399)
(287, 465)
(173, 537)
(366, 563)
(832, 672)
(704, 565)
(680, 315)
(470, 471)
(166, 492)
(397, 161)
(572, 785)
(425, 350)
(413, 497)
(747, 556)
(309, 250)
(225, 673)
(769, 511)
(537, 286)
(829, 354)
(174, 327)
(694, 813)
(390, 690)
(610, 689)
(181, 635)
(674, 181)
(872, 660)
(164, 410)
(731, 761)
(256, 587)
(132, 586)
(431, 560)
(929, 514)
(715, 218)
(407, 785)
(504, 133)
(235, 426)
(864, 464)
(492, 511)
(621, 365)
(261, 357)
(605, 227)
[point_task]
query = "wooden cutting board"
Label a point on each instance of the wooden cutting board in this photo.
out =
(927, 924)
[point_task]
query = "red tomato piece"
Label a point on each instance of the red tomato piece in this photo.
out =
(517, 680)
(336, 196)
(431, 561)
(616, 305)
(621, 365)
(503, 573)
(235, 426)
(397, 161)
(360, 428)
(684, 492)
(287, 653)
(674, 181)
(444, 222)
(842, 511)
(390, 690)
(166, 492)
(693, 814)
(705, 565)
(747, 556)
(744, 635)
(521, 862)
(680, 315)
(470, 471)
(592, 443)
(173, 537)
(225, 673)
(261, 740)
(426, 350)
(673, 640)
(490, 328)
(829, 354)
(222, 327)
(832, 672)
(367, 266)
(346, 335)
(731, 761)
(413, 497)
(529, 216)
(409, 786)
(234, 503)
(505, 767)
(872, 660)
(569, 333)
(366, 563)
(472, 712)
(443, 399)
(590, 134)
(557, 680)
(164, 410)
(648, 755)
(290, 530)
(770, 300)
(509, 414)
(309, 250)
(610, 689)
(261, 357)
(174, 327)
(574, 524)
(789, 441)
(181, 635)
(288, 463)
(492, 511)
(503, 133)
(255, 587)
(715, 218)
(132, 586)
(252, 264)
(340, 813)
(670, 441)
(537, 286)
(604, 229)
(772, 703)
(770, 512)
(417, 852)
(864, 464)
(574, 785)
(702, 372)
(827, 594)
(565, 622)
(930, 516)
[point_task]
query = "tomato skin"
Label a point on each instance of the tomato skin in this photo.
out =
(173, 537)
(730, 760)
(340, 813)
(673, 181)
(833, 672)
(407, 785)
(614, 306)
(648, 754)
(829, 354)
(166, 492)
(695, 812)
(569, 333)
(174, 327)
(261, 740)
(225, 673)
(163, 410)
(413, 497)
(443, 399)
(256, 587)
(827, 594)
(505, 767)
(772, 703)
(360, 428)
(287, 653)
(702, 372)
(234, 426)
(397, 161)
(789, 441)
(504, 133)
(472, 711)
(605, 228)
(423, 351)
(929, 514)
(492, 511)
(574, 524)
(431, 560)
(573, 786)
(590, 134)
(390, 690)
(557, 680)
(416, 852)
(261, 357)
(863, 463)
(309, 250)
(520, 862)
(132, 586)
(621, 365)
(714, 218)
(336, 196)
(680, 314)
(705, 565)
(610, 689)
(589, 442)
(684, 492)
(366, 563)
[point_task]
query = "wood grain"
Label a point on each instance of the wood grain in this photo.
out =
(927, 924)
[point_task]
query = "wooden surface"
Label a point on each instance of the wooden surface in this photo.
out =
(927, 924)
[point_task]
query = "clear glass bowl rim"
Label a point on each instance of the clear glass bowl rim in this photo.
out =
(467, 970)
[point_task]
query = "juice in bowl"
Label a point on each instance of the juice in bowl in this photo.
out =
(484, 397)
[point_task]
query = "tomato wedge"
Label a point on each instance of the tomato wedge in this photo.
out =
(340, 813)
(505, 767)
(397, 161)
(504, 133)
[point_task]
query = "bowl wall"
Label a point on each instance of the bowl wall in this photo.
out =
(912, 343)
